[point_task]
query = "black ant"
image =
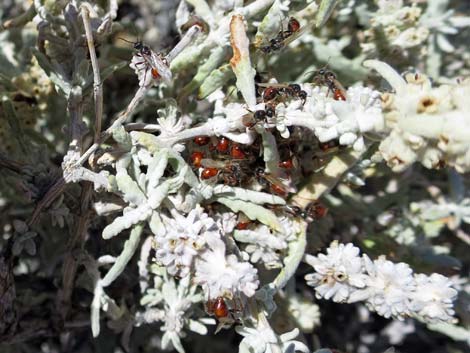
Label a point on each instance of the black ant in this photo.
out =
(283, 38)
(328, 78)
(159, 67)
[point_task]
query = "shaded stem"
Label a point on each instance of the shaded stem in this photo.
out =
(97, 84)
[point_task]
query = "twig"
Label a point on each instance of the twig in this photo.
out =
(54, 191)
(97, 84)
(78, 239)
(10, 164)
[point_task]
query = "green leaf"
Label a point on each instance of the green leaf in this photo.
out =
(253, 211)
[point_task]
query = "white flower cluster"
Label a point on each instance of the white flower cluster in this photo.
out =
(224, 275)
(181, 238)
(330, 119)
(390, 289)
(347, 120)
(263, 245)
(398, 23)
(428, 124)
(193, 244)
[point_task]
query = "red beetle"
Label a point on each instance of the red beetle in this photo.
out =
(201, 140)
(196, 158)
(208, 173)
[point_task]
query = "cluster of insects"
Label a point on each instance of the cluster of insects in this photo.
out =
(220, 160)
(223, 160)
(228, 164)
(271, 94)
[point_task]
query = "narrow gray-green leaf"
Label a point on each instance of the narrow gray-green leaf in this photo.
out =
(253, 211)
(217, 56)
(130, 189)
(324, 13)
(292, 261)
(126, 221)
(95, 309)
(215, 80)
(130, 246)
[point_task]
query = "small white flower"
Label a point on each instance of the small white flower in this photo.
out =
(171, 124)
(223, 275)
(262, 340)
(143, 71)
(263, 245)
(181, 238)
(177, 300)
(305, 313)
(433, 298)
(389, 287)
(411, 37)
(338, 273)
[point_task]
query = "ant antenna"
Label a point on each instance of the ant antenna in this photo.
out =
(125, 40)
(322, 68)
(327, 63)
(309, 72)
(134, 30)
